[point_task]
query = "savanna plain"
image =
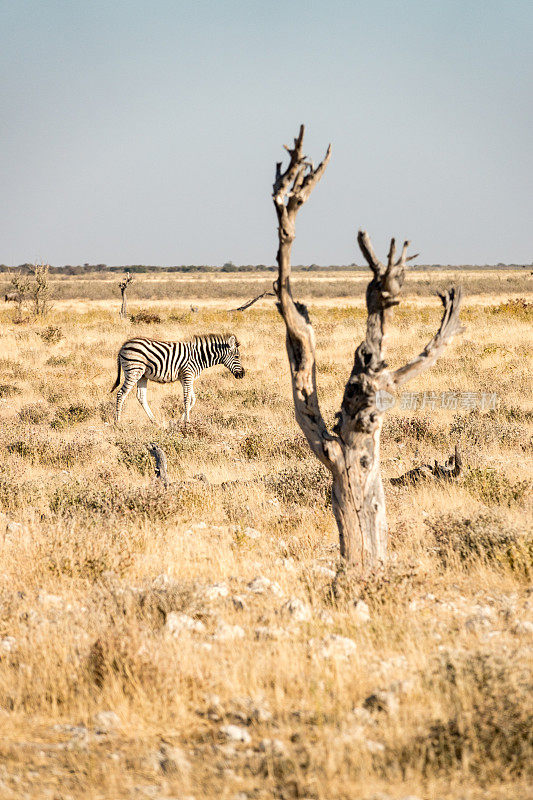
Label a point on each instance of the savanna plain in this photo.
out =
(193, 641)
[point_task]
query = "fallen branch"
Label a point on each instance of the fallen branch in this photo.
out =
(251, 302)
(160, 463)
(448, 471)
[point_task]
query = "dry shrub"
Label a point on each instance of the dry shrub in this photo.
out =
(15, 492)
(489, 727)
(12, 369)
(34, 413)
(38, 448)
(51, 335)
(484, 537)
(485, 429)
(305, 484)
(144, 317)
(61, 361)
(152, 502)
(71, 415)
(388, 586)
(517, 307)
(417, 428)
(76, 555)
(8, 390)
(258, 446)
(495, 488)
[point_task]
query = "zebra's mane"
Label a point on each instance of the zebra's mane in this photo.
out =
(217, 338)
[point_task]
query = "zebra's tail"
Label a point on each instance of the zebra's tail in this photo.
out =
(118, 375)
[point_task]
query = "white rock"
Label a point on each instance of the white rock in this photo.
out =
(362, 611)
(8, 644)
(525, 627)
(324, 572)
(297, 610)
(335, 646)
(15, 528)
(374, 747)
(270, 633)
(161, 581)
(177, 623)
(49, 600)
(106, 721)
(477, 622)
(226, 632)
(215, 591)
(235, 733)
(274, 747)
(259, 585)
(252, 533)
(173, 761)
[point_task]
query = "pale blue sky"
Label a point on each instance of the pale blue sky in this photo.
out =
(147, 132)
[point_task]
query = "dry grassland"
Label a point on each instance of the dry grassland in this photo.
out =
(188, 643)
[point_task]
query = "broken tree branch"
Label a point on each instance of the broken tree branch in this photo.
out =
(251, 302)
(451, 469)
(160, 458)
(449, 327)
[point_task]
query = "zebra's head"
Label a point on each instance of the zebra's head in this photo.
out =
(232, 359)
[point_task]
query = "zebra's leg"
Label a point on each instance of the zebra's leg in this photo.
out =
(186, 382)
(141, 396)
(192, 398)
(130, 379)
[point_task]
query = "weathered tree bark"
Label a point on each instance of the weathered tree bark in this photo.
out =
(351, 451)
(451, 469)
(123, 285)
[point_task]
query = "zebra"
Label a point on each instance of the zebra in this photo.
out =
(164, 362)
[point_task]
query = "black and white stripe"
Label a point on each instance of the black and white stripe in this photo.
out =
(144, 360)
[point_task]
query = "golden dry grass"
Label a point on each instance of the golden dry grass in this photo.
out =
(102, 562)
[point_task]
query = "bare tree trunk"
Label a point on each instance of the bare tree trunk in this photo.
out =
(125, 282)
(351, 451)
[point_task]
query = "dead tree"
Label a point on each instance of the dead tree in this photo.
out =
(123, 285)
(451, 469)
(351, 450)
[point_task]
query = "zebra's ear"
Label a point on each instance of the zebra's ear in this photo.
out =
(232, 341)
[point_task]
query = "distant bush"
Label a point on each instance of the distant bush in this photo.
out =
(51, 335)
(7, 390)
(145, 318)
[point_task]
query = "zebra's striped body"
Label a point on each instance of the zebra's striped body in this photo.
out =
(144, 360)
